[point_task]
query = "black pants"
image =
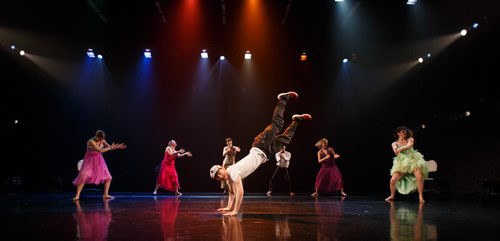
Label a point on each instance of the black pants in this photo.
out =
(268, 140)
(287, 178)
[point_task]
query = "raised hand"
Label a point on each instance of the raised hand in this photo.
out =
(182, 150)
(189, 154)
(121, 146)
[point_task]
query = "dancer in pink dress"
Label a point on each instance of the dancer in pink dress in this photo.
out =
(329, 178)
(168, 179)
(94, 169)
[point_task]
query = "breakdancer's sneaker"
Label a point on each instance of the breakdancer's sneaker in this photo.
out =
(288, 95)
(302, 117)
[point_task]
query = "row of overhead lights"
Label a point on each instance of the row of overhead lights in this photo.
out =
(463, 32)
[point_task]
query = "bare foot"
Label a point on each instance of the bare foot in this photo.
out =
(314, 194)
(230, 213)
(421, 200)
(343, 194)
(292, 194)
(108, 197)
(76, 198)
(268, 193)
(154, 193)
(178, 194)
(389, 199)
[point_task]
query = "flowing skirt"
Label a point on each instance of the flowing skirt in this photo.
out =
(168, 178)
(329, 179)
(407, 162)
(94, 170)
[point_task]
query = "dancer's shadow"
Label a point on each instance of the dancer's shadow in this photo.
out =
(408, 224)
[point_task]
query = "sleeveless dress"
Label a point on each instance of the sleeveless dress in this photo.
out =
(406, 162)
(329, 178)
(168, 178)
(94, 169)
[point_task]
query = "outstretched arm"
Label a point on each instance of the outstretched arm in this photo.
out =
(237, 186)
(94, 146)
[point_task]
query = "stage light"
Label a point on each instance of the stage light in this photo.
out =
(429, 55)
(467, 113)
(147, 53)
(16, 121)
(420, 60)
(248, 55)
(12, 47)
(345, 61)
(475, 25)
(90, 53)
(303, 56)
(222, 57)
(21, 52)
(422, 126)
(204, 54)
(463, 32)
(99, 56)
(411, 2)
(339, 0)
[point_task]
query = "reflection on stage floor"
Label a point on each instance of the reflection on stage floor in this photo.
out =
(194, 217)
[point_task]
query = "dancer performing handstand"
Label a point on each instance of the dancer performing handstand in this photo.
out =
(268, 142)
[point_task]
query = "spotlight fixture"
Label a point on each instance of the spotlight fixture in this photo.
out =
(16, 122)
(429, 55)
(90, 53)
(467, 113)
(339, 0)
(204, 54)
(463, 32)
(13, 47)
(222, 57)
(147, 53)
(21, 52)
(303, 56)
(345, 60)
(248, 55)
(411, 2)
(420, 60)
(475, 25)
(99, 56)
(422, 126)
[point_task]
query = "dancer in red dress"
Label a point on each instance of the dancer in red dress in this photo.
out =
(168, 179)
(94, 169)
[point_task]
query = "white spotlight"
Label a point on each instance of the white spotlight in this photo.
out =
(147, 54)
(90, 53)
(345, 61)
(339, 0)
(463, 32)
(204, 54)
(99, 56)
(423, 126)
(475, 25)
(411, 2)
(429, 55)
(12, 47)
(16, 122)
(467, 113)
(420, 60)
(248, 55)
(21, 52)
(222, 57)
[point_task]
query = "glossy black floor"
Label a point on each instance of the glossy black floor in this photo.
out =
(194, 217)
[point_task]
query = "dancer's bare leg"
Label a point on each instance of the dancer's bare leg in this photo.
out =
(156, 188)
(420, 185)
(315, 194)
(342, 192)
(177, 191)
(106, 190)
(392, 185)
(78, 191)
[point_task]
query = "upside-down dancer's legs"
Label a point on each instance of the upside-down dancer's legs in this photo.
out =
(265, 138)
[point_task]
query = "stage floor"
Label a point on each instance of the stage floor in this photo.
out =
(194, 217)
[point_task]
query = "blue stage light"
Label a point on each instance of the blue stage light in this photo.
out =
(147, 53)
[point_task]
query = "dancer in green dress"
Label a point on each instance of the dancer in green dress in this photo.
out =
(409, 168)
